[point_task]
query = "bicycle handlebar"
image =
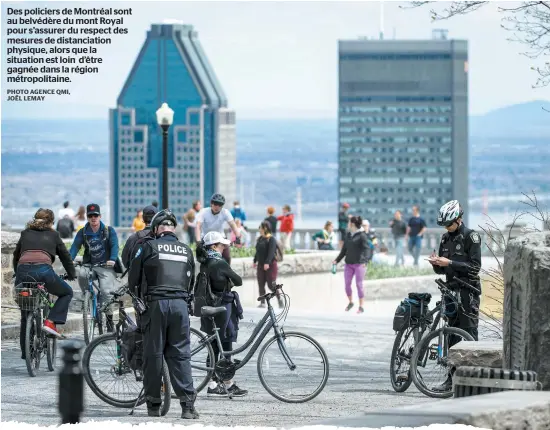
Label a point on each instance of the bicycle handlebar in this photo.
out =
(271, 295)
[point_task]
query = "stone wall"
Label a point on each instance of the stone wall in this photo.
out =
(9, 240)
(526, 324)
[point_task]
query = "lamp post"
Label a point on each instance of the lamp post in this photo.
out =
(165, 118)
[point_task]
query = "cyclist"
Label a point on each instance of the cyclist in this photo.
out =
(343, 221)
(131, 244)
(167, 269)
(100, 247)
(213, 219)
(459, 256)
(221, 278)
(33, 257)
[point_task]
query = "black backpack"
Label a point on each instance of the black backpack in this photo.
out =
(203, 295)
(410, 310)
(65, 227)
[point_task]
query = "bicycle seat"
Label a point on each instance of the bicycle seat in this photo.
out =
(210, 311)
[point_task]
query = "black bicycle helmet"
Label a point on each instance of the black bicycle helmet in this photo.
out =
(218, 199)
(164, 217)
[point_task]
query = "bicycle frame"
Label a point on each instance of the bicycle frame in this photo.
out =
(268, 321)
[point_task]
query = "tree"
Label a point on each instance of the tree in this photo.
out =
(529, 23)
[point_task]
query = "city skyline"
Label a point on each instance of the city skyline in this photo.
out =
(171, 67)
(278, 51)
(403, 125)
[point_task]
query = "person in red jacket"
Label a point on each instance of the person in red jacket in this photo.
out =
(287, 226)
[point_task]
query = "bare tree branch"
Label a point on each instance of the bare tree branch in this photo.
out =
(528, 23)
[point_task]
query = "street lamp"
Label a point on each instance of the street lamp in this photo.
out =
(165, 118)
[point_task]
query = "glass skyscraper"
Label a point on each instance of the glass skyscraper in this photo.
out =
(171, 67)
(403, 126)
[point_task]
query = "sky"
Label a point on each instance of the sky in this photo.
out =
(279, 59)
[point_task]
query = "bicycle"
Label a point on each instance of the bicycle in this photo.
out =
(33, 298)
(425, 351)
(91, 316)
(225, 368)
(116, 364)
(416, 331)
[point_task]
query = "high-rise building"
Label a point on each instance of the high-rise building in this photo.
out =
(171, 67)
(403, 126)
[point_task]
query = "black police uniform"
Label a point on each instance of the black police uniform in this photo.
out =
(168, 268)
(463, 248)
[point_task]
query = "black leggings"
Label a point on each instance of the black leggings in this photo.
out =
(227, 346)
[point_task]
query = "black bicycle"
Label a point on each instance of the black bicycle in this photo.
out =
(104, 361)
(410, 360)
(277, 354)
(34, 300)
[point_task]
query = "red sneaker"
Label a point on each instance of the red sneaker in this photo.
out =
(50, 328)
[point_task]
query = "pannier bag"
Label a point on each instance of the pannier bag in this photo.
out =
(132, 347)
(409, 310)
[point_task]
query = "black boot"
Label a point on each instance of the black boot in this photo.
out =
(188, 411)
(153, 409)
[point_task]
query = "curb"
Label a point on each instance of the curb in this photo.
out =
(74, 323)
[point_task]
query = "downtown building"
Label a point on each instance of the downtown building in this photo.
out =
(171, 67)
(403, 126)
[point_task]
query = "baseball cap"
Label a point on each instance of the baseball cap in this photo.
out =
(92, 209)
(149, 210)
(214, 237)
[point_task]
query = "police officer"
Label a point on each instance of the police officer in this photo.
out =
(459, 257)
(167, 269)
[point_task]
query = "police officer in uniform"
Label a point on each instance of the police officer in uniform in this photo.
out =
(164, 271)
(459, 257)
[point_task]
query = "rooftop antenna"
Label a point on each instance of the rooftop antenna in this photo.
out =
(381, 20)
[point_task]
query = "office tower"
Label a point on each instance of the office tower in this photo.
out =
(403, 126)
(171, 67)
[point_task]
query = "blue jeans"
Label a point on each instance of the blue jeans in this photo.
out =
(399, 246)
(415, 244)
(55, 286)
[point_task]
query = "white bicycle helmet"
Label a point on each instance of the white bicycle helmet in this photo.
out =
(449, 213)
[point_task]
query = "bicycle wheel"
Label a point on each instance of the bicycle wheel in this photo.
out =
(201, 353)
(401, 353)
(312, 358)
(51, 353)
(90, 324)
(32, 343)
(427, 352)
(103, 364)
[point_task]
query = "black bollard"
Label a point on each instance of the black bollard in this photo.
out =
(71, 383)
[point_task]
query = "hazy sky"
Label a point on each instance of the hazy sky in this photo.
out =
(279, 59)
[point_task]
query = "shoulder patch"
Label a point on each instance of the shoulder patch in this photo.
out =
(475, 237)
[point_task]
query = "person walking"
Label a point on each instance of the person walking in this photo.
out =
(66, 210)
(357, 252)
(222, 278)
(415, 231)
(287, 226)
(65, 227)
(166, 268)
(265, 262)
(33, 258)
(138, 223)
(80, 218)
(399, 230)
(238, 213)
(190, 221)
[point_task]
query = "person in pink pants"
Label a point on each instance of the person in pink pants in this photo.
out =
(357, 251)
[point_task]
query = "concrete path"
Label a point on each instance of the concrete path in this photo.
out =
(358, 347)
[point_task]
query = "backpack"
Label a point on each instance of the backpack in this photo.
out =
(203, 295)
(132, 347)
(65, 228)
(279, 250)
(410, 310)
(119, 267)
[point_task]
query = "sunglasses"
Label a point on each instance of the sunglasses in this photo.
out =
(93, 216)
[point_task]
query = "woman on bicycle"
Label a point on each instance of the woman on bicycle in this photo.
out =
(33, 257)
(357, 250)
(222, 278)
